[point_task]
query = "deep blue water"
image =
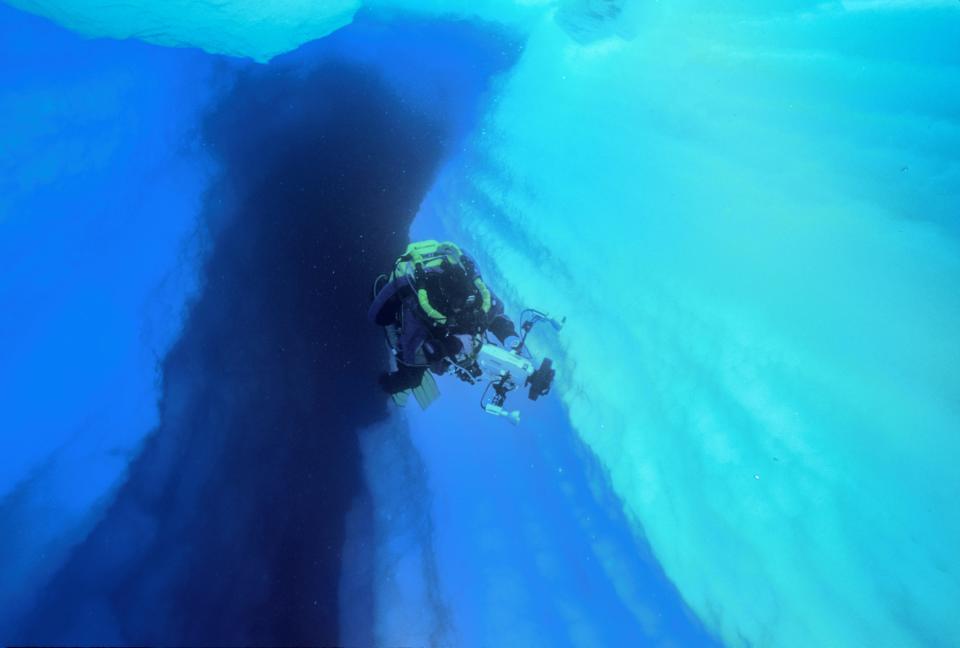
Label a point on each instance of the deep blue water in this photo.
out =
(135, 176)
(228, 528)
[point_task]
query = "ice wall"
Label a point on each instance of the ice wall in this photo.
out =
(528, 543)
(253, 28)
(749, 217)
(389, 566)
(100, 181)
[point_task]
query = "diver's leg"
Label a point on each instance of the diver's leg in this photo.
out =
(405, 377)
(410, 361)
(412, 336)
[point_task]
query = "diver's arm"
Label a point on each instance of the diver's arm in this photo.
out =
(379, 313)
(498, 323)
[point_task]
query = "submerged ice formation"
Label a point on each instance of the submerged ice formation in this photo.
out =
(749, 219)
(253, 28)
(95, 202)
(748, 216)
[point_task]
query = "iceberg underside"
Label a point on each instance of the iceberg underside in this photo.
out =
(749, 218)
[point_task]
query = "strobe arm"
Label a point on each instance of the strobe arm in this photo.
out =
(495, 404)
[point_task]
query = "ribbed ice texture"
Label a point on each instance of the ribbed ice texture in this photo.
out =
(750, 220)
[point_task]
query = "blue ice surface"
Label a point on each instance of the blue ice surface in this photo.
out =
(532, 545)
(750, 216)
(100, 184)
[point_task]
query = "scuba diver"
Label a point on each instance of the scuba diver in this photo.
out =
(434, 304)
(437, 314)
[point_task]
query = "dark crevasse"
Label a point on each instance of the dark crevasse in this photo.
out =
(229, 528)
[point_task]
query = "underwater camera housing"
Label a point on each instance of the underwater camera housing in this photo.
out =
(508, 369)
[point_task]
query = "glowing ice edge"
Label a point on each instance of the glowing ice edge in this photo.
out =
(257, 29)
(748, 230)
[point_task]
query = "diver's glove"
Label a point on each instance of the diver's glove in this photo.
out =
(503, 328)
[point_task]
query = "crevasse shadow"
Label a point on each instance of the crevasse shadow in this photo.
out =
(229, 528)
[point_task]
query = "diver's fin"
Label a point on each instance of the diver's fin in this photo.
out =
(426, 392)
(401, 397)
